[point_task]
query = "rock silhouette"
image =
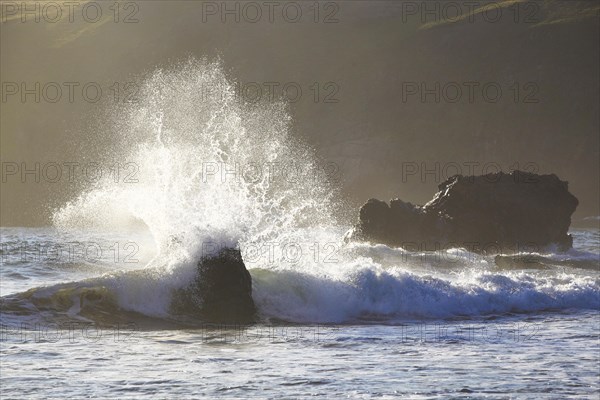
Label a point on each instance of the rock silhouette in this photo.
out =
(493, 213)
(221, 291)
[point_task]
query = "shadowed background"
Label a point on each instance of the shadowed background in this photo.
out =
(364, 121)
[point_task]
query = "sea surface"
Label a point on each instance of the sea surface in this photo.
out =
(392, 325)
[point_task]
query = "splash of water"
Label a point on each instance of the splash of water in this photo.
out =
(209, 168)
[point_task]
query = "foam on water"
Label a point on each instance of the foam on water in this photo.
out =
(375, 283)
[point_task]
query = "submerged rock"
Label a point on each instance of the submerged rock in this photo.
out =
(493, 213)
(221, 291)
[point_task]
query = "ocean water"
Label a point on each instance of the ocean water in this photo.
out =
(86, 306)
(390, 325)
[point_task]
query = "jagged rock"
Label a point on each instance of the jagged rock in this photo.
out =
(221, 291)
(493, 213)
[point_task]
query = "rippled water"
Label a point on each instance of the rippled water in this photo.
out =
(552, 353)
(546, 355)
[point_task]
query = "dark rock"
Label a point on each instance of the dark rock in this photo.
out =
(221, 291)
(493, 213)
